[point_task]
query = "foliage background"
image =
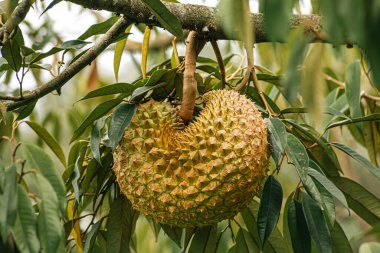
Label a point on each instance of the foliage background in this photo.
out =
(327, 67)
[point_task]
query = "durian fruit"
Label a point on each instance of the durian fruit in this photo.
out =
(198, 174)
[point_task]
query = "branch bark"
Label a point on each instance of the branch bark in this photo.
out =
(74, 68)
(204, 20)
(17, 16)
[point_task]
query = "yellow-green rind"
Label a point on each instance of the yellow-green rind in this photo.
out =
(196, 175)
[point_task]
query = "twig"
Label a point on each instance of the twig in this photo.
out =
(220, 63)
(340, 84)
(17, 16)
(74, 68)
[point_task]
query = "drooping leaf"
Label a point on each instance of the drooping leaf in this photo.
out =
(119, 49)
(353, 78)
(37, 159)
(174, 233)
(97, 113)
(276, 242)
(91, 236)
(11, 52)
(95, 138)
(270, 208)
(277, 138)
(49, 140)
(245, 243)
(372, 117)
(329, 186)
(297, 155)
(328, 204)
(361, 201)
(204, 240)
(299, 232)
(316, 224)
(340, 242)
(277, 14)
(8, 200)
(25, 110)
(165, 17)
(144, 51)
(121, 118)
(139, 92)
(50, 232)
(120, 226)
(25, 229)
(360, 159)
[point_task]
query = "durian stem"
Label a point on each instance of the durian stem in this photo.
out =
(220, 63)
(189, 93)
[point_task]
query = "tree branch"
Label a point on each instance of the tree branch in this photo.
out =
(17, 16)
(74, 68)
(204, 20)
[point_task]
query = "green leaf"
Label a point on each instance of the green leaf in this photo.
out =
(25, 229)
(299, 232)
(165, 17)
(361, 201)
(372, 117)
(353, 79)
(174, 233)
(270, 208)
(329, 186)
(277, 15)
(277, 138)
(236, 20)
(340, 242)
(316, 223)
(121, 225)
(137, 93)
(99, 28)
(11, 52)
(204, 240)
(25, 111)
(245, 243)
(275, 243)
(328, 204)
(119, 49)
(95, 138)
(3, 112)
(97, 113)
(50, 232)
(49, 140)
(91, 236)
(51, 5)
(120, 120)
(8, 200)
(74, 44)
(37, 159)
(297, 155)
(75, 181)
(360, 159)
(111, 89)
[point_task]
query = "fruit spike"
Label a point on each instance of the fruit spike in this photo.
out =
(198, 174)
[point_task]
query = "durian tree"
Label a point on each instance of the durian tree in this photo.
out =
(249, 126)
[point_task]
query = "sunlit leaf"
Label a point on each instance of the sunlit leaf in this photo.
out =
(119, 49)
(49, 140)
(144, 50)
(353, 81)
(25, 229)
(37, 159)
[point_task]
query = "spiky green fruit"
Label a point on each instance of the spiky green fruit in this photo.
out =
(198, 174)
